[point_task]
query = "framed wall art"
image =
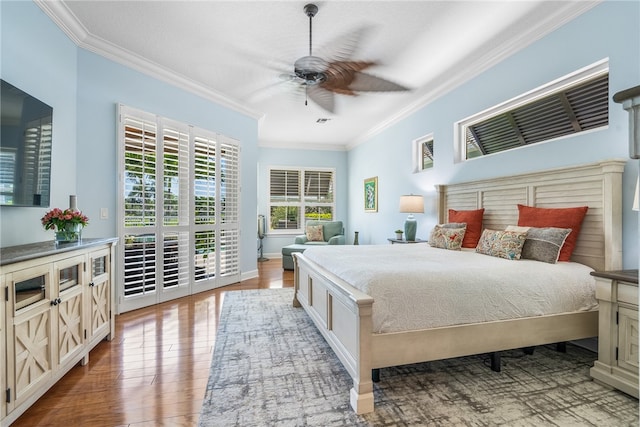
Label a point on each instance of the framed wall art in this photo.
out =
(371, 194)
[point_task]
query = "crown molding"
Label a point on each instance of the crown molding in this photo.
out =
(71, 26)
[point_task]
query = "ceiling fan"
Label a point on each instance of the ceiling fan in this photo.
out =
(322, 78)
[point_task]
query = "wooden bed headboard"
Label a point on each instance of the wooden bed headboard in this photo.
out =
(596, 185)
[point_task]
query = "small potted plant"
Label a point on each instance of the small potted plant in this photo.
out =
(399, 234)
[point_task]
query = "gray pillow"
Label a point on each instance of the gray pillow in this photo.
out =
(543, 244)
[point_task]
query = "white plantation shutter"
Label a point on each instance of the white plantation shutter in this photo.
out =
(140, 147)
(175, 261)
(318, 186)
(205, 191)
(284, 185)
(176, 176)
(175, 209)
(217, 194)
(300, 194)
(139, 216)
(205, 180)
(179, 212)
(230, 208)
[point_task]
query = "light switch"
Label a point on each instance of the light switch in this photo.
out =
(104, 213)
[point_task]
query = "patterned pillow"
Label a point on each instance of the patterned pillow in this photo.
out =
(314, 233)
(501, 244)
(447, 238)
(542, 244)
(447, 225)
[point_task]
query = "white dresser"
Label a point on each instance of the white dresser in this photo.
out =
(617, 364)
(57, 306)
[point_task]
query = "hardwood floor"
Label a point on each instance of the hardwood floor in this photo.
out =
(154, 372)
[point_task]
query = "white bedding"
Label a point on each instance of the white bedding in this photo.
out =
(416, 286)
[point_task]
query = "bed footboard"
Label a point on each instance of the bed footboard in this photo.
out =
(342, 314)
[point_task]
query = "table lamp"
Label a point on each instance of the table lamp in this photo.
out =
(411, 204)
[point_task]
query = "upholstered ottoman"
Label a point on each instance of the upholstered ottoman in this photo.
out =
(287, 259)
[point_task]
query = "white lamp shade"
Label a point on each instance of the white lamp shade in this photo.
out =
(635, 199)
(412, 204)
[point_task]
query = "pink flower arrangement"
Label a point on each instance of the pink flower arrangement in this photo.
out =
(57, 219)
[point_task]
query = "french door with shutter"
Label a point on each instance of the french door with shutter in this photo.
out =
(178, 210)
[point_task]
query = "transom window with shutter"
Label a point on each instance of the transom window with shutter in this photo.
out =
(570, 105)
(300, 194)
(423, 153)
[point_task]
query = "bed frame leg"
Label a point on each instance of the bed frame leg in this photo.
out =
(528, 350)
(375, 375)
(495, 361)
(561, 347)
(362, 403)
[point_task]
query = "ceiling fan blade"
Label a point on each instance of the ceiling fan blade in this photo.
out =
(340, 75)
(288, 77)
(344, 47)
(363, 82)
(323, 98)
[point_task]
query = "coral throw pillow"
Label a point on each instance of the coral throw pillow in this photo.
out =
(473, 219)
(555, 217)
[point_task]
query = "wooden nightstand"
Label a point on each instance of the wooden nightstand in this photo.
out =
(617, 364)
(402, 241)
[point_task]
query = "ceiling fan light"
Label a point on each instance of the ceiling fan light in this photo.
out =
(311, 69)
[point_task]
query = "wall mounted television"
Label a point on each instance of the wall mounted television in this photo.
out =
(25, 148)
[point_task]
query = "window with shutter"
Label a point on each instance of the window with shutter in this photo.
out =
(570, 105)
(423, 153)
(300, 194)
(180, 242)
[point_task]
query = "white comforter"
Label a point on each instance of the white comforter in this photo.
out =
(416, 286)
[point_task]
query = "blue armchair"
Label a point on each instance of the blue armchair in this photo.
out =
(332, 233)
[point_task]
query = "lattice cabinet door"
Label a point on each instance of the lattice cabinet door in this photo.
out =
(29, 332)
(100, 294)
(68, 308)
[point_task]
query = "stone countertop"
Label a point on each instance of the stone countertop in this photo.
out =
(13, 254)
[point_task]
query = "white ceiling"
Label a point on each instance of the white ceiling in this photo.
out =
(234, 52)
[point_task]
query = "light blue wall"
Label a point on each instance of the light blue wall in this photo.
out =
(39, 59)
(611, 30)
(268, 157)
(84, 88)
(102, 84)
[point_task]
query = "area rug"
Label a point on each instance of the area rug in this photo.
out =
(271, 367)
